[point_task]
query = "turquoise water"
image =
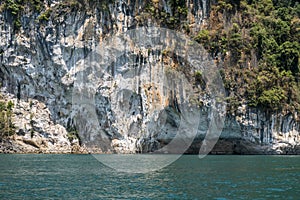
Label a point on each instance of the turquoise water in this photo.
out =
(214, 177)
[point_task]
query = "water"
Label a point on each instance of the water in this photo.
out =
(214, 177)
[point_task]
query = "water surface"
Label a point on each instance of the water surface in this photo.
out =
(214, 177)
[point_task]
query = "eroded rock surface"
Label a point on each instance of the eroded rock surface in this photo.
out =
(138, 104)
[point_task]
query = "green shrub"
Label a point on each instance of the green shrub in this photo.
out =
(44, 16)
(2, 106)
(272, 98)
(10, 105)
(203, 36)
(7, 128)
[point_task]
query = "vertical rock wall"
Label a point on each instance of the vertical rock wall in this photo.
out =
(39, 64)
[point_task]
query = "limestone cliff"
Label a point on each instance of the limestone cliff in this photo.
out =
(140, 99)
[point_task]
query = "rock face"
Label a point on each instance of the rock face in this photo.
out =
(36, 132)
(140, 100)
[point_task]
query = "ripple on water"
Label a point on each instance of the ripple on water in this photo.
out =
(214, 177)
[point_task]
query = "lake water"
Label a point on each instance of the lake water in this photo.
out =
(214, 177)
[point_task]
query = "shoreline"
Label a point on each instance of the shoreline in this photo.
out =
(210, 154)
(222, 147)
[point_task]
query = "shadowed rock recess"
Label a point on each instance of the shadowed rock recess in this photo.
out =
(140, 96)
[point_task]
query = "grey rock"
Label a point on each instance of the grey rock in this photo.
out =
(139, 102)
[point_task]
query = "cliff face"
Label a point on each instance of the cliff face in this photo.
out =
(140, 100)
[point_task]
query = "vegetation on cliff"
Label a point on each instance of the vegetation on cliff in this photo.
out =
(7, 127)
(257, 42)
(16, 8)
